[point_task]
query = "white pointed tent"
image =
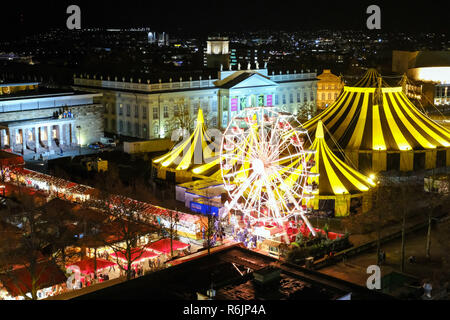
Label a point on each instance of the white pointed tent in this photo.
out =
(198, 148)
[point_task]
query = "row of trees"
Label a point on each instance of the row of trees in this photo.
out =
(396, 204)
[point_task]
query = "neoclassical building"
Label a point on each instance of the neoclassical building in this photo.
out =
(328, 88)
(146, 110)
(35, 120)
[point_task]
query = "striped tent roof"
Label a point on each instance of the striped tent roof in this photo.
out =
(212, 169)
(372, 116)
(198, 147)
(335, 176)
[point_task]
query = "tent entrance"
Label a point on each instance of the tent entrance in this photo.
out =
(326, 207)
(356, 206)
(393, 162)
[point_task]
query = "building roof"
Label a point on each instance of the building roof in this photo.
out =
(326, 75)
(220, 268)
(365, 117)
(18, 281)
(431, 59)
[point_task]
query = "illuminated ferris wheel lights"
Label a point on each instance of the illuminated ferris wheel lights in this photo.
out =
(310, 164)
(228, 146)
(298, 142)
(237, 130)
(229, 187)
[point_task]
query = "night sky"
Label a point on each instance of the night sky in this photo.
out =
(17, 18)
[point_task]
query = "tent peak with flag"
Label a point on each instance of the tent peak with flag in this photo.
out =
(199, 147)
(336, 178)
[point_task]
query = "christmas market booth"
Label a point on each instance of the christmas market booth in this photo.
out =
(17, 283)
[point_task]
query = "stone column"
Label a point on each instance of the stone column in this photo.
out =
(2, 138)
(36, 138)
(12, 138)
(49, 137)
(61, 135)
(24, 140)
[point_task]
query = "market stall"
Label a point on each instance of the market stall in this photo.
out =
(138, 256)
(163, 246)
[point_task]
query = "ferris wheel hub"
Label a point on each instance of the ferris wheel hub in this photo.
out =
(258, 166)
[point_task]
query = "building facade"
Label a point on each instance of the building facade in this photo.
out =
(43, 121)
(429, 72)
(328, 88)
(147, 110)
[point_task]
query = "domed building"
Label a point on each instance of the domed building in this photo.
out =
(379, 129)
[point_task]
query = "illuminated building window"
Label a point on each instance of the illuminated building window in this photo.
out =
(284, 99)
(329, 96)
(129, 127)
(156, 131)
(136, 129)
(298, 97)
(128, 110)
(144, 131)
(120, 109)
(291, 98)
(144, 112)
(155, 113)
(305, 96)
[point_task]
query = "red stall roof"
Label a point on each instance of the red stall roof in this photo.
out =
(163, 245)
(8, 159)
(136, 255)
(87, 265)
(18, 281)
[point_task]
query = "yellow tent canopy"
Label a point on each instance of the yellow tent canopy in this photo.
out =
(373, 119)
(198, 148)
(337, 180)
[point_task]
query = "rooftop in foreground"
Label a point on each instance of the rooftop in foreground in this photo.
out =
(231, 272)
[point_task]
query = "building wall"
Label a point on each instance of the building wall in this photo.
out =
(328, 88)
(147, 110)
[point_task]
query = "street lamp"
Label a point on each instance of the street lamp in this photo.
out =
(79, 138)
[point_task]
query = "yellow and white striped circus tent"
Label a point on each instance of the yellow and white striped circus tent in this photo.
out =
(340, 187)
(212, 170)
(196, 149)
(380, 129)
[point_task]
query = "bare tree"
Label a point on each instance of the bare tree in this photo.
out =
(30, 250)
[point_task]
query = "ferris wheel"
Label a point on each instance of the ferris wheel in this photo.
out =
(265, 166)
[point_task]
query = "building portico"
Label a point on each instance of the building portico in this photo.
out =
(38, 136)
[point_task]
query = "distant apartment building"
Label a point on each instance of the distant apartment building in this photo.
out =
(328, 88)
(147, 110)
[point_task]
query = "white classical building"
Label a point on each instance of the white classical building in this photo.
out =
(35, 120)
(145, 110)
